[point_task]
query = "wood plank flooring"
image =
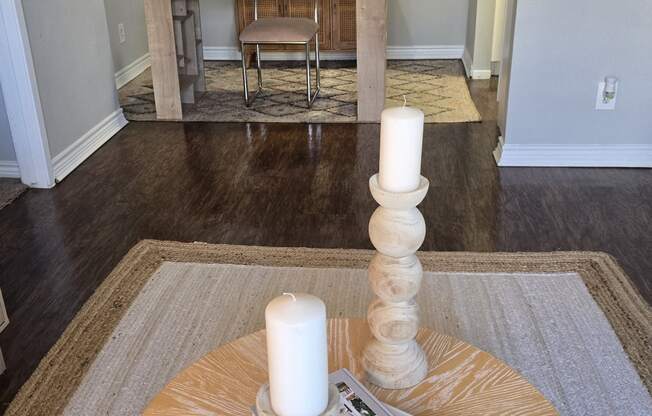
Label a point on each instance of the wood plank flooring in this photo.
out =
(290, 185)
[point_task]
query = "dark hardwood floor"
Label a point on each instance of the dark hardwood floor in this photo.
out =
(290, 185)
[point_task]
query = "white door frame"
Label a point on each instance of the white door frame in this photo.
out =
(22, 99)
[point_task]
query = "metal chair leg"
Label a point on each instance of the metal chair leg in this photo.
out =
(249, 98)
(308, 83)
(260, 71)
(317, 64)
(311, 96)
(245, 82)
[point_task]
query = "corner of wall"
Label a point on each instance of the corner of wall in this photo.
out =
(75, 154)
(467, 60)
(131, 71)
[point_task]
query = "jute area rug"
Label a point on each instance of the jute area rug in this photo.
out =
(10, 189)
(437, 87)
(571, 323)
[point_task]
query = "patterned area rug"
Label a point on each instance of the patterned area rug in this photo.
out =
(566, 321)
(438, 87)
(10, 189)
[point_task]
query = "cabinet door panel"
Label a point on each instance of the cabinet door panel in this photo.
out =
(344, 20)
(305, 8)
(266, 8)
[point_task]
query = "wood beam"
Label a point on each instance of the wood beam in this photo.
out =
(372, 58)
(162, 48)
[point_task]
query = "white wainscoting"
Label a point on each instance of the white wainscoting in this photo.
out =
(131, 71)
(9, 169)
(75, 154)
(620, 156)
(231, 53)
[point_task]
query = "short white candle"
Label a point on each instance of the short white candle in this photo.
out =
(297, 355)
(401, 141)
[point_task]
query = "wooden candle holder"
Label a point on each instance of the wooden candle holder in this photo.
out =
(394, 360)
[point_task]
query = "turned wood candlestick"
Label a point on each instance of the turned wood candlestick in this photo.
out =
(393, 359)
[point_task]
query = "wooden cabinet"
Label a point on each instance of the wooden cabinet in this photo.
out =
(343, 24)
(336, 19)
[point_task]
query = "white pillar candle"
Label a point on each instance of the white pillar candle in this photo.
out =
(297, 355)
(401, 140)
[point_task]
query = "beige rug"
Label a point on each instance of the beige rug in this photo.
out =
(438, 87)
(166, 304)
(10, 189)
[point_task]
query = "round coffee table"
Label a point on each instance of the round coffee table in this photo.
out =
(462, 380)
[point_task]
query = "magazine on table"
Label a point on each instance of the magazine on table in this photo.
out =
(355, 399)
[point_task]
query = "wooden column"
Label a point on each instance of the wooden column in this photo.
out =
(162, 48)
(372, 58)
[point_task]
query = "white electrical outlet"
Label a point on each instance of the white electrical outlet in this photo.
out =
(122, 33)
(605, 104)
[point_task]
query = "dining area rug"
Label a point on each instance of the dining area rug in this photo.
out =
(437, 87)
(571, 323)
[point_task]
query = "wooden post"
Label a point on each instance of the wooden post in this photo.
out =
(372, 58)
(162, 48)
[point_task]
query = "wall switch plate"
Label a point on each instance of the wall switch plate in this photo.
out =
(600, 104)
(122, 33)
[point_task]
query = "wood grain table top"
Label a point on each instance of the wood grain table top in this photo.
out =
(462, 379)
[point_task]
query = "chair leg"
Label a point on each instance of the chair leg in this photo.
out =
(317, 64)
(260, 71)
(245, 82)
(312, 97)
(308, 83)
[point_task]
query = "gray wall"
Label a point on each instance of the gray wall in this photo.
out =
(561, 52)
(411, 22)
(470, 28)
(427, 22)
(218, 22)
(73, 65)
(7, 152)
(132, 14)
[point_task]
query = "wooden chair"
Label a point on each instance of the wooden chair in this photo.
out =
(281, 31)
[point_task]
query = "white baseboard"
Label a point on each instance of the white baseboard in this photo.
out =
(73, 156)
(598, 156)
(131, 71)
(231, 53)
(425, 52)
(481, 73)
(9, 169)
(471, 72)
(221, 53)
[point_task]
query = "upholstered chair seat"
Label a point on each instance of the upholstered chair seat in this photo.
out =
(279, 30)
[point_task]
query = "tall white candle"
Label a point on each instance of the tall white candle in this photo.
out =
(297, 355)
(401, 140)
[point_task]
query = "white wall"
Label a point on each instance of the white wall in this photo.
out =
(561, 51)
(73, 65)
(131, 13)
(7, 152)
(479, 38)
(499, 31)
(506, 63)
(411, 23)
